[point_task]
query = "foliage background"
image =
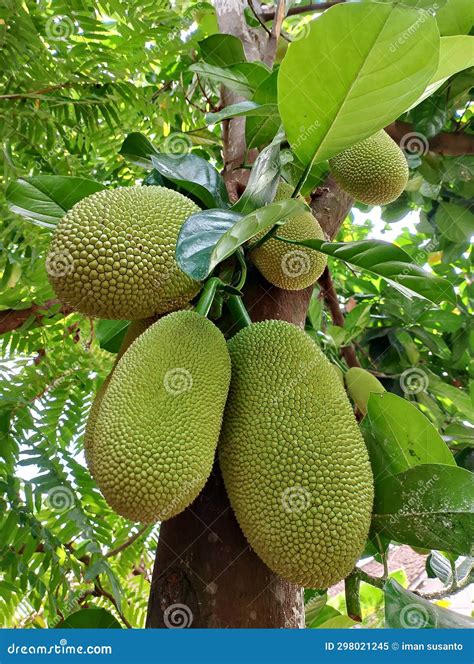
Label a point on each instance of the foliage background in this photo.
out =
(77, 78)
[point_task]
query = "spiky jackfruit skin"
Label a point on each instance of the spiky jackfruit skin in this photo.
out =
(360, 384)
(294, 463)
(158, 425)
(288, 266)
(112, 255)
(134, 330)
(374, 171)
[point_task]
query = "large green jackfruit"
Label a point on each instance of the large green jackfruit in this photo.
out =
(374, 171)
(289, 266)
(156, 432)
(112, 255)
(134, 330)
(360, 384)
(294, 463)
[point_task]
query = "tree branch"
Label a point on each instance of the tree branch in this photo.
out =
(127, 543)
(12, 319)
(269, 15)
(447, 143)
(330, 298)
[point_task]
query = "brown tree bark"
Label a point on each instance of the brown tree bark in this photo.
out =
(205, 573)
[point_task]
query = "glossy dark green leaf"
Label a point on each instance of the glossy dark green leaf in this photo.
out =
(138, 149)
(455, 222)
(44, 199)
(406, 610)
(197, 238)
(263, 180)
(389, 262)
(399, 436)
(431, 506)
(110, 334)
(242, 77)
(90, 619)
(222, 50)
(252, 224)
(195, 175)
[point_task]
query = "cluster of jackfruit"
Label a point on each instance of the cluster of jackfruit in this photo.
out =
(293, 460)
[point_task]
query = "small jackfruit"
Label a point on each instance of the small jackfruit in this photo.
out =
(112, 254)
(294, 463)
(156, 432)
(374, 171)
(134, 330)
(360, 384)
(288, 266)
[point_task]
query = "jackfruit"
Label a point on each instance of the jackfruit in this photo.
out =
(290, 266)
(374, 171)
(156, 432)
(360, 384)
(134, 330)
(112, 255)
(294, 463)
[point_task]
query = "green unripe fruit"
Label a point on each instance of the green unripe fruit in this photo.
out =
(156, 432)
(288, 266)
(360, 384)
(113, 254)
(374, 171)
(293, 460)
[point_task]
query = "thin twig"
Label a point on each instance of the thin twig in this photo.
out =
(127, 543)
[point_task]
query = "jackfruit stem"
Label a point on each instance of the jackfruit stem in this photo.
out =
(208, 293)
(238, 312)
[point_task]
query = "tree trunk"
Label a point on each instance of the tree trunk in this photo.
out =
(205, 573)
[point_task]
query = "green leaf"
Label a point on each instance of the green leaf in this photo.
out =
(243, 78)
(456, 17)
(247, 108)
(263, 180)
(252, 224)
(138, 150)
(195, 175)
(454, 221)
(90, 619)
(262, 129)
(429, 506)
(399, 436)
(44, 199)
(197, 238)
(455, 54)
(222, 50)
(406, 610)
(208, 238)
(326, 84)
(389, 262)
(460, 399)
(110, 334)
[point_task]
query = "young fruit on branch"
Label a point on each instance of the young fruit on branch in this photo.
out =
(289, 266)
(360, 384)
(374, 171)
